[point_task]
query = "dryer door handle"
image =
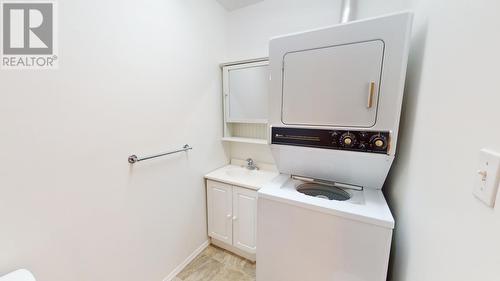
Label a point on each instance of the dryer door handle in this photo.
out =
(371, 92)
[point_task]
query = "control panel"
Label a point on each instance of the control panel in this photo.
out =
(362, 141)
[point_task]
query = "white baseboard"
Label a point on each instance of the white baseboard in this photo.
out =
(189, 259)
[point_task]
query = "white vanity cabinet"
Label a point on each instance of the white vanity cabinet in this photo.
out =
(232, 217)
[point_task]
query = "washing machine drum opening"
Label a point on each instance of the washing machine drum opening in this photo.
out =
(323, 191)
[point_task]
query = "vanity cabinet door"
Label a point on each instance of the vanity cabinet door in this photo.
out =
(244, 219)
(220, 211)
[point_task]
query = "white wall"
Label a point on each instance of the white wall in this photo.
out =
(250, 28)
(134, 77)
(450, 113)
(249, 31)
(374, 8)
(71, 208)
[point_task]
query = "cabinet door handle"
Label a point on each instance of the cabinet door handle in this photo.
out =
(371, 91)
(234, 218)
(229, 216)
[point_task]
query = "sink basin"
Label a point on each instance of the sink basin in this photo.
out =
(241, 176)
(242, 172)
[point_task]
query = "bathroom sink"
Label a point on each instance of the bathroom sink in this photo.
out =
(241, 172)
(241, 176)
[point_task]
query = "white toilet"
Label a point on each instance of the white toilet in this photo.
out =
(18, 275)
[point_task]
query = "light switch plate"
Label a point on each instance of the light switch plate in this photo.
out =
(487, 177)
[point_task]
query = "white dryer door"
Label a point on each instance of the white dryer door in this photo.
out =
(333, 86)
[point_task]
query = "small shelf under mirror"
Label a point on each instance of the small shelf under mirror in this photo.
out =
(248, 121)
(246, 132)
(245, 140)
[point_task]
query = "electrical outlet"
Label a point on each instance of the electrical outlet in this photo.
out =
(487, 177)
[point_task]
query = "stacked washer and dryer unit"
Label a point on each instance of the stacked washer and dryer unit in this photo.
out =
(335, 103)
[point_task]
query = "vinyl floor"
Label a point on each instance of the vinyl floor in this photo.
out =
(216, 264)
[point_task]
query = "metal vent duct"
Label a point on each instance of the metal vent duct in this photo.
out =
(347, 11)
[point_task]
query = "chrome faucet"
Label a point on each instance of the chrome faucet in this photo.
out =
(251, 165)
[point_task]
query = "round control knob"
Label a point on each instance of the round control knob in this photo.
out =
(347, 140)
(378, 142)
